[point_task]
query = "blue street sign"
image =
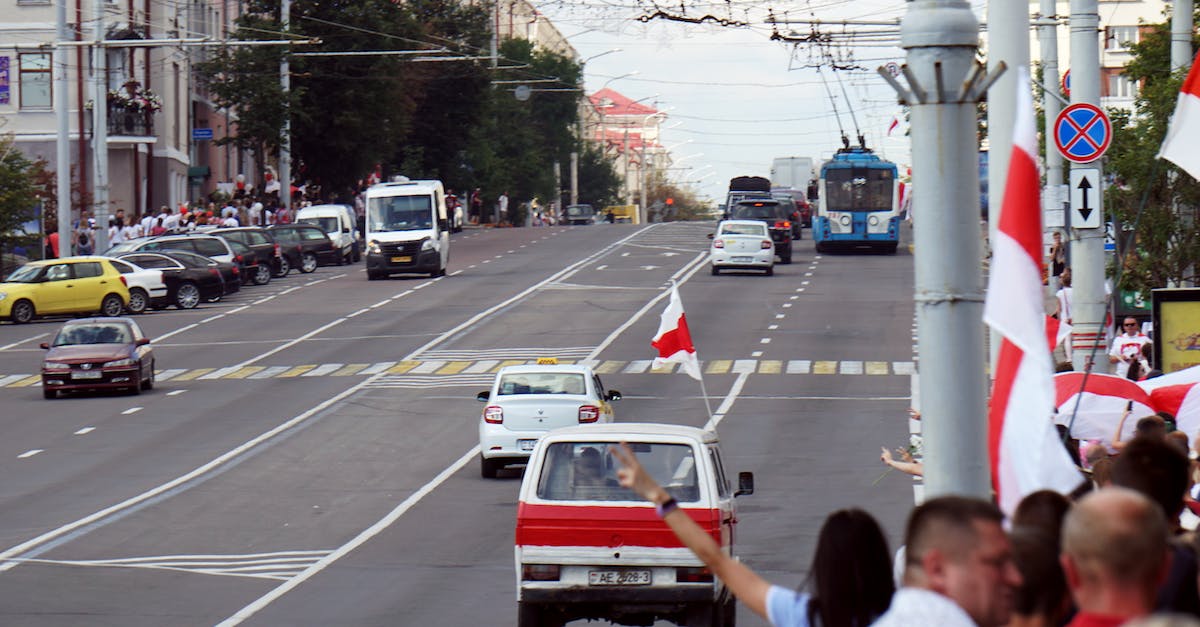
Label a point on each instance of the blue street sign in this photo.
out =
(1082, 132)
(202, 134)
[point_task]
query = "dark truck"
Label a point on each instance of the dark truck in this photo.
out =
(773, 213)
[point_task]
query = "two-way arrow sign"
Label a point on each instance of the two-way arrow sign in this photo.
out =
(1085, 198)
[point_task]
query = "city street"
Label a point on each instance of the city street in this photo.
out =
(309, 453)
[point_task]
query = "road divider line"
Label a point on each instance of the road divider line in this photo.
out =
(131, 411)
(19, 342)
(30, 453)
(85, 430)
(175, 392)
(727, 403)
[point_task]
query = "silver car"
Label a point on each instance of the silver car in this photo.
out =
(742, 245)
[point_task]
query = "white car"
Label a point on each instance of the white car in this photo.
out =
(742, 245)
(527, 401)
(146, 286)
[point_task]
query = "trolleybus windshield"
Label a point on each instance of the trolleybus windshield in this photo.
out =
(859, 189)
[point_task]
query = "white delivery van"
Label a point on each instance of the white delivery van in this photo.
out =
(407, 229)
(338, 222)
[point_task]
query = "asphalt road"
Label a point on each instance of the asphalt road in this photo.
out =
(309, 455)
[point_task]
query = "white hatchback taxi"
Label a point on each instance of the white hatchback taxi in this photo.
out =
(587, 548)
(527, 401)
(742, 245)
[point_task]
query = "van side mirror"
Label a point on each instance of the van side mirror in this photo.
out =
(483, 396)
(612, 395)
(345, 229)
(45, 345)
(745, 483)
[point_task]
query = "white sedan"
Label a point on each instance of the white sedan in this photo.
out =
(146, 286)
(742, 245)
(527, 401)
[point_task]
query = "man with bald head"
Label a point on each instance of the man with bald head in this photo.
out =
(1114, 555)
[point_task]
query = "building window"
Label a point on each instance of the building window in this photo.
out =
(1120, 37)
(1121, 87)
(35, 81)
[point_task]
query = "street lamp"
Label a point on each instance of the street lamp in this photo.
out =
(617, 78)
(597, 56)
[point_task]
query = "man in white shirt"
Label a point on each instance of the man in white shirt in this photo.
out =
(170, 219)
(958, 569)
(255, 213)
(146, 224)
(1127, 347)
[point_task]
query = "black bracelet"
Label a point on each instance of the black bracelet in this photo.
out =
(666, 507)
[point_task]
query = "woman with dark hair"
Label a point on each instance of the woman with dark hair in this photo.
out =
(850, 583)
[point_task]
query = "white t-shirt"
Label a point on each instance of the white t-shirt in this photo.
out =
(1127, 346)
(131, 232)
(115, 236)
(147, 223)
(1064, 304)
(787, 608)
(230, 221)
(171, 221)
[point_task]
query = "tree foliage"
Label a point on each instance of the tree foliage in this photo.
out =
(599, 184)
(18, 193)
(1160, 245)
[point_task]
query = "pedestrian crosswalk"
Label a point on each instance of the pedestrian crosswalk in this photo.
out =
(474, 368)
(279, 566)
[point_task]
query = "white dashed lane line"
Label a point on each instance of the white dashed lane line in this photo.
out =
(29, 453)
(132, 410)
(28, 339)
(85, 431)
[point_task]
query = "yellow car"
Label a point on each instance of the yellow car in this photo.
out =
(63, 286)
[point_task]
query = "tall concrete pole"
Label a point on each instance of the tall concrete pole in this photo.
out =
(285, 83)
(643, 209)
(1048, 41)
(100, 127)
(1181, 34)
(62, 146)
(574, 178)
(1087, 245)
(941, 38)
(1008, 43)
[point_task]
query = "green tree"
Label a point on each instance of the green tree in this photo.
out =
(1164, 248)
(18, 192)
(599, 184)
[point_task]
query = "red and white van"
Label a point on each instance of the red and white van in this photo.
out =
(588, 548)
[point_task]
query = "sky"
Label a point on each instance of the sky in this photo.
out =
(734, 99)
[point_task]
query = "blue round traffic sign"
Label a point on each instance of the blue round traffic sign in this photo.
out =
(1082, 132)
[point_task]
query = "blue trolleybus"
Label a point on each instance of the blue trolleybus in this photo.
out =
(859, 203)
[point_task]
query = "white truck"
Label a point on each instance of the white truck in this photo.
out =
(792, 173)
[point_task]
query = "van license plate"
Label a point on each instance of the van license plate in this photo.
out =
(526, 445)
(401, 259)
(87, 374)
(618, 577)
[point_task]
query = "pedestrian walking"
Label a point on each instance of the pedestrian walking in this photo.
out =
(850, 582)
(1058, 259)
(476, 206)
(502, 208)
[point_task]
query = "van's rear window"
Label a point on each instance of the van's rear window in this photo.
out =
(587, 471)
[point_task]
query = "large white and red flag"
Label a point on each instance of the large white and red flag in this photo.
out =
(1026, 452)
(1184, 130)
(673, 340)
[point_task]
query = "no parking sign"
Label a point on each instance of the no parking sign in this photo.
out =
(1082, 132)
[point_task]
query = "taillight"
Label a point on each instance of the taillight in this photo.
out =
(693, 574)
(718, 243)
(123, 281)
(540, 572)
(493, 414)
(214, 271)
(766, 244)
(237, 270)
(276, 250)
(589, 413)
(783, 224)
(239, 259)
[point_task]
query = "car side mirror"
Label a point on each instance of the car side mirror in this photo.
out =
(612, 395)
(345, 229)
(143, 341)
(745, 483)
(710, 235)
(45, 345)
(483, 396)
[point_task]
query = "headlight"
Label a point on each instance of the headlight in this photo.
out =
(873, 220)
(845, 220)
(55, 365)
(374, 247)
(119, 362)
(429, 244)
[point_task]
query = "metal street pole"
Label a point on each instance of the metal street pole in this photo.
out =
(945, 81)
(100, 127)
(285, 141)
(574, 178)
(62, 146)
(1087, 246)
(1181, 34)
(643, 208)
(1047, 24)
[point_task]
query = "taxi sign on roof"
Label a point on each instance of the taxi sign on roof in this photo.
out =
(547, 361)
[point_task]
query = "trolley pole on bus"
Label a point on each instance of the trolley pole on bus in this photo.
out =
(945, 83)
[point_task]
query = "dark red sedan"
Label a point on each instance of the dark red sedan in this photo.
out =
(98, 353)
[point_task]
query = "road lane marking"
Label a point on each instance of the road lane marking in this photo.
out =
(323, 370)
(11, 378)
(734, 391)
(193, 374)
(175, 392)
(242, 373)
(770, 366)
(756, 354)
(904, 367)
(454, 367)
(480, 367)
(852, 367)
(773, 327)
(745, 366)
(30, 453)
(85, 431)
(131, 411)
(19, 342)
(270, 373)
(218, 373)
(26, 382)
(428, 367)
(787, 305)
(765, 340)
(637, 366)
(718, 366)
(799, 366)
(608, 367)
(378, 368)
(403, 367)
(167, 375)
(825, 367)
(295, 372)
(877, 367)
(350, 370)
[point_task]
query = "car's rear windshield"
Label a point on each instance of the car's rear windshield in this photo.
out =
(329, 224)
(587, 471)
(753, 212)
(542, 383)
(744, 229)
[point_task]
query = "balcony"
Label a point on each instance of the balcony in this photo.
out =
(126, 122)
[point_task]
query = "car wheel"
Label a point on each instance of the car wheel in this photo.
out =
(771, 271)
(729, 612)
(821, 247)
(357, 254)
(262, 275)
(489, 467)
(716, 271)
(440, 272)
(187, 296)
(308, 263)
(22, 312)
(48, 393)
(701, 615)
(531, 615)
(284, 267)
(111, 305)
(148, 384)
(138, 300)
(373, 276)
(786, 259)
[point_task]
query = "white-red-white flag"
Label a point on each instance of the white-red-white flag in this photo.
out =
(1026, 453)
(1183, 132)
(893, 125)
(1056, 332)
(674, 340)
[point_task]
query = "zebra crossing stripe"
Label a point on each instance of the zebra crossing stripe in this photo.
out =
(799, 366)
(218, 373)
(481, 367)
(770, 366)
(350, 369)
(512, 362)
(663, 369)
(877, 367)
(269, 373)
(904, 367)
(11, 378)
(27, 381)
(403, 367)
(745, 366)
(825, 367)
(454, 367)
(323, 370)
(378, 368)
(718, 366)
(167, 375)
(637, 366)
(244, 372)
(852, 367)
(295, 372)
(428, 367)
(193, 374)
(609, 367)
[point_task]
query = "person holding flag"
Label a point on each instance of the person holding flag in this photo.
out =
(1026, 453)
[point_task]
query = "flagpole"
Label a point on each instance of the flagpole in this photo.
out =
(704, 392)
